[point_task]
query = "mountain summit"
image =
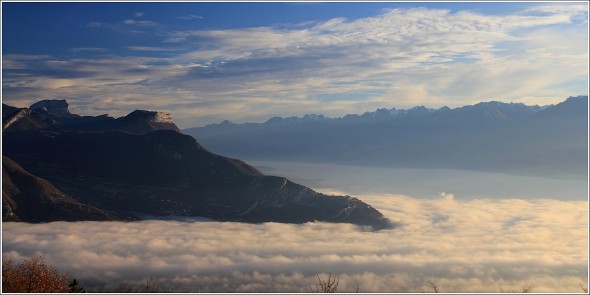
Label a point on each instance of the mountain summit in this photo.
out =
(51, 107)
(141, 122)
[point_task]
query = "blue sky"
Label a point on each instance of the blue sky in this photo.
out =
(206, 62)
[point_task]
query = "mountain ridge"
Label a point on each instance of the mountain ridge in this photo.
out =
(489, 136)
(384, 113)
(54, 114)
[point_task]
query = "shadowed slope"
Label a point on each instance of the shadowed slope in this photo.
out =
(26, 197)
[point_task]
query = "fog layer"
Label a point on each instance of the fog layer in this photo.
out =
(478, 245)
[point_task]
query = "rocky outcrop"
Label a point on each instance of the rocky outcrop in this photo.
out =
(141, 121)
(51, 107)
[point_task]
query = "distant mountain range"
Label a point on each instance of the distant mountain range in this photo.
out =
(62, 166)
(488, 136)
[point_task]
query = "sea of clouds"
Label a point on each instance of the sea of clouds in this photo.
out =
(478, 245)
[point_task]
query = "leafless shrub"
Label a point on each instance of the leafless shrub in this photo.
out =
(525, 289)
(149, 287)
(433, 286)
(75, 287)
(328, 286)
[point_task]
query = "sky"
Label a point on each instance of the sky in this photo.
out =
(246, 62)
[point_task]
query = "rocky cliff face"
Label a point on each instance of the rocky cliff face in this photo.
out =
(17, 119)
(52, 107)
(141, 122)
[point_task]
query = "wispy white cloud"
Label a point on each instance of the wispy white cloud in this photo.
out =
(20, 61)
(573, 9)
(125, 25)
(139, 22)
(95, 24)
(150, 48)
(464, 246)
(89, 49)
(191, 17)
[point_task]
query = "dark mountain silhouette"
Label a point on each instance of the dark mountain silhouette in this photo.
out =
(55, 115)
(26, 197)
(53, 107)
(8, 110)
(489, 136)
(132, 171)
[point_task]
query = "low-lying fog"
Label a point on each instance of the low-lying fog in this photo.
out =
(468, 243)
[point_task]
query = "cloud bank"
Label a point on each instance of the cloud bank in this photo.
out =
(399, 58)
(464, 246)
